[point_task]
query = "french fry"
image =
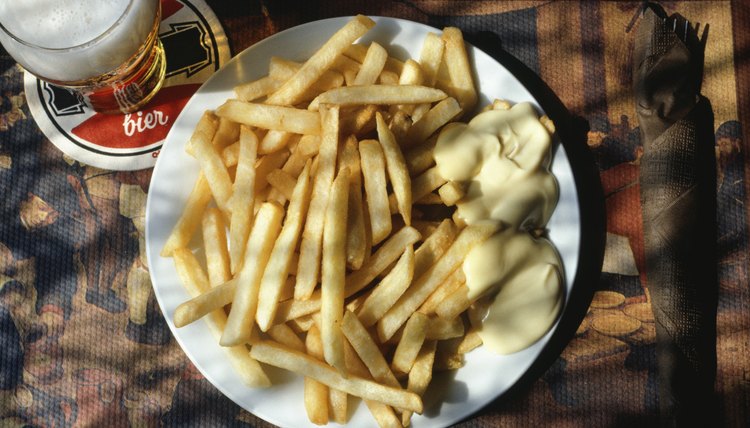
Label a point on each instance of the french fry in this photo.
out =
(271, 117)
(338, 405)
(425, 183)
(368, 350)
(383, 414)
(256, 255)
(308, 268)
(410, 75)
(451, 284)
(293, 309)
(424, 285)
(373, 169)
(397, 170)
(420, 374)
(387, 292)
(275, 274)
(361, 122)
(306, 148)
(279, 356)
(411, 342)
(388, 253)
(420, 158)
(201, 305)
(213, 168)
(282, 181)
(451, 192)
(227, 132)
(358, 52)
(430, 57)
(282, 70)
(292, 90)
(205, 128)
(443, 329)
(273, 141)
(372, 65)
(316, 393)
(471, 341)
(333, 274)
(380, 94)
(252, 91)
(284, 334)
(455, 303)
(388, 78)
(399, 124)
(356, 239)
(447, 356)
(196, 282)
(190, 218)
(215, 247)
(243, 197)
(459, 69)
(433, 120)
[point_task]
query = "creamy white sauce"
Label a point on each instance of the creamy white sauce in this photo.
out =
(516, 280)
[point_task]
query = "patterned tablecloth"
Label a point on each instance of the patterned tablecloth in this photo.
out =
(71, 236)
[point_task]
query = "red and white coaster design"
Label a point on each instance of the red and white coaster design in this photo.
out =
(195, 46)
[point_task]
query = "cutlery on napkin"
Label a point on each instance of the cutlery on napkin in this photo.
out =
(678, 201)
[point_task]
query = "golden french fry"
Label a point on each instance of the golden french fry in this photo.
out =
(410, 75)
(256, 89)
(308, 268)
(451, 284)
(293, 309)
(433, 120)
(213, 168)
(388, 78)
(411, 342)
(372, 65)
(282, 181)
(451, 192)
(471, 341)
(277, 270)
(442, 329)
(459, 69)
(368, 350)
(215, 247)
(388, 253)
(227, 133)
(333, 275)
(430, 199)
(190, 218)
(373, 170)
(206, 126)
(316, 393)
(425, 284)
(284, 334)
(306, 148)
(265, 165)
(420, 158)
(292, 90)
(356, 240)
(196, 282)
(420, 374)
(201, 305)
(282, 70)
(399, 124)
(338, 405)
(243, 196)
(265, 116)
(454, 303)
(360, 122)
(279, 356)
(383, 414)
(397, 170)
(425, 183)
(387, 292)
(273, 141)
(430, 57)
(256, 255)
(380, 94)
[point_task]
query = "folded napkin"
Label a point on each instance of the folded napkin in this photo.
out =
(678, 200)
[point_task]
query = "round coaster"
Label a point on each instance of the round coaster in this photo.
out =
(195, 46)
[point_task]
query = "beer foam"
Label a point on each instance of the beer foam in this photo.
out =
(62, 24)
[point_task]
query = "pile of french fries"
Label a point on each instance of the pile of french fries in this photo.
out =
(328, 243)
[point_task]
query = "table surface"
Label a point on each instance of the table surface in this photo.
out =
(71, 235)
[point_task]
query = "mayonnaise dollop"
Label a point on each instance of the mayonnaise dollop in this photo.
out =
(503, 157)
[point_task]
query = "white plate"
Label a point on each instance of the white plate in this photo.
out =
(453, 396)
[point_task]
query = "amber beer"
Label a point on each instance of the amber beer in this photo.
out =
(106, 50)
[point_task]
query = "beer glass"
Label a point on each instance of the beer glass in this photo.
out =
(108, 51)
